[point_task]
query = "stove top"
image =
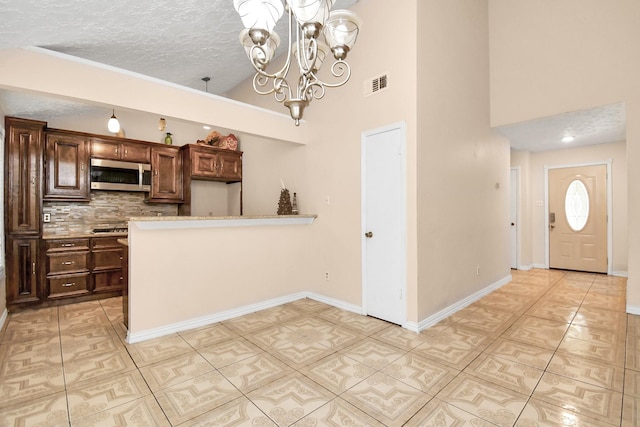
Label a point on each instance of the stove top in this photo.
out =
(111, 230)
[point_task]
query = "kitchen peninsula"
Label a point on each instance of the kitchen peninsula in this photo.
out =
(186, 272)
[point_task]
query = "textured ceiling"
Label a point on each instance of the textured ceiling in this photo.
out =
(600, 125)
(177, 41)
(182, 42)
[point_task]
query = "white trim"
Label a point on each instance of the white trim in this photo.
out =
(607, 163)
(540, 266)
(402, 127)
(525, 267)
(633, 309)
(620, 273)
(233, 313)
(3, 318)
(444, 313)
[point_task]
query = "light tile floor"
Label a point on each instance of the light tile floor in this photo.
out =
(551, 348)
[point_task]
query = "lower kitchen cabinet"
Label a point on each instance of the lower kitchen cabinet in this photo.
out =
(107, 265)
(23, 271)
(67, 268)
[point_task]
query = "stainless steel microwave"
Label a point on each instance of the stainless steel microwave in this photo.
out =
(120, 176)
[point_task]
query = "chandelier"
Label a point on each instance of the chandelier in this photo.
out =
(309, 20)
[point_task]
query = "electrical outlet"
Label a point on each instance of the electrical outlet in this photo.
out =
(326, 275)
(46, 217)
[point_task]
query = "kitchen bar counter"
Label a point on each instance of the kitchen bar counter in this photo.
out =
(187, 272)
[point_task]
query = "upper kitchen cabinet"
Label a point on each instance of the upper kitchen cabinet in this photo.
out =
(166, 175)
(23, 187)
(127, 151)
(66, 167)
(213, 163)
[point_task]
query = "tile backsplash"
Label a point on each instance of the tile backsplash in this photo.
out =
(106, 209)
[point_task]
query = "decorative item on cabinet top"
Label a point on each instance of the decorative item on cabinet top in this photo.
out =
(215, 139)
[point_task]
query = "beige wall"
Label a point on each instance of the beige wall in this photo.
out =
(332, 156)
(462, 214)
(439, 87)
(534, 223)
(550, 57)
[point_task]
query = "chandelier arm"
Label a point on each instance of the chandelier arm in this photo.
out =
(339, 69)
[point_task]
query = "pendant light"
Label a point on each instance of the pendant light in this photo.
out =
(113, 125)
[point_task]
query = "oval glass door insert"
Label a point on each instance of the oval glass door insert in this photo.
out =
(576, 205)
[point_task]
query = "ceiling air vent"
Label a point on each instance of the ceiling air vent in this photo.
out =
(376, 84)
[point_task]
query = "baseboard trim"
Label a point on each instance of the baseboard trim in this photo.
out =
(3, 318)
(211, 318)
(525, 267)
(252, 308)
(633, 309)
(620, 273)
(236, 312)
(443, 314)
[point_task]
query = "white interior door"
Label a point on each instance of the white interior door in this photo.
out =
(513, 219)
(384, 223)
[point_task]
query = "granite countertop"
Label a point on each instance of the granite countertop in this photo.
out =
(81, 235)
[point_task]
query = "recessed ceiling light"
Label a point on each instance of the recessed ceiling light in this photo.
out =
(206, 127)
(568, 139)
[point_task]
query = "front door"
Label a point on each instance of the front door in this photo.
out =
(578, 218)
(384, 224)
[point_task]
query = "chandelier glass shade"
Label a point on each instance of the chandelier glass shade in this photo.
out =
(314, 32)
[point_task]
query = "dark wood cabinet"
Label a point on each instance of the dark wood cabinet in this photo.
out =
(120, 150)
(213, 163)
(67, 268)
(67, 167)
(23, 282)
(205, 163)
(23, 174)
(166, 175)
(107, 264)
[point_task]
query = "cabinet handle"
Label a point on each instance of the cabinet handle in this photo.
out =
(82, 167)
(116, 150)
(33, 180)
(155, 172)
(68, 245)
(33, 268)
(67, 263)
(221, 165)
(126, 151)
(67, 285)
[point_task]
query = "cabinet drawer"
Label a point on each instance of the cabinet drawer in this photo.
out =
(98, 243)
(67, 285)
(66, 245)
(107, 259)
(67, 262)
(108, 281)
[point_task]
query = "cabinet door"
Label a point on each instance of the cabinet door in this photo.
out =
(101, 149)
(67, 168)
(23, 186)
(135, 152)
(166, 169)
(22, 274)
(230, 166)
(204, 164)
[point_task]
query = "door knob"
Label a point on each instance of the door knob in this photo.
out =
(368, 234)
